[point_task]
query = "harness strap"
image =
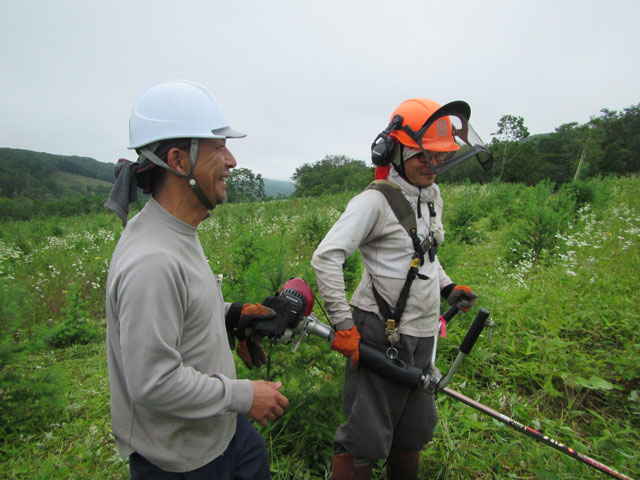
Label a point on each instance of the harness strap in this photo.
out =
(403, 212)
(406, 217)
(385, 310)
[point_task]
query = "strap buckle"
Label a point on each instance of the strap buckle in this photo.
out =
(393, 335)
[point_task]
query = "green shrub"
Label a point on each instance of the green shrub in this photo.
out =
(352, 271)
(30, 401)
(76, 326)
(312, 381)
(313, 228)
(593, 192)
(543, 215)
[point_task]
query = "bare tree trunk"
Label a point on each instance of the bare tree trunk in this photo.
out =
(584, 152)
(507, 147)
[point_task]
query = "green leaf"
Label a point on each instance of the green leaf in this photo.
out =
(583, 382)
(600, 383)
(545, 475)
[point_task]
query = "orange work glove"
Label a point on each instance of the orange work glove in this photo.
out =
(462, 297)
(347, 342)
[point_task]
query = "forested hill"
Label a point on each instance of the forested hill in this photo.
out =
(47, 177)
(24, 173)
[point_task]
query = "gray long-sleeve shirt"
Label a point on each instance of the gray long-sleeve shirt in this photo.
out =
(174, 393)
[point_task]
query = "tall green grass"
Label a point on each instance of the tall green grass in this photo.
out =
(558, 269)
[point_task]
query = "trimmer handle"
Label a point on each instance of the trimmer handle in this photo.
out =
(375, 360)
(450, 313)
(474, 331)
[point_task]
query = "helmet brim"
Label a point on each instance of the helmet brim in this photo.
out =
(227, 132)
(223, 132)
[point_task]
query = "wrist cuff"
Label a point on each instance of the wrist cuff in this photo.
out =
(233, 316)
(446, 291)
(344, 325)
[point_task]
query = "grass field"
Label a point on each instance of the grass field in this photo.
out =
(558, 269)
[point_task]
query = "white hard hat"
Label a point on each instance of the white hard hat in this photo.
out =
(177, 109)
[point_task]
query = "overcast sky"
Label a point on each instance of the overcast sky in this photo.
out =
(306, 79)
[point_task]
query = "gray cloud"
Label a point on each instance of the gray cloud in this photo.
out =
(307, 79)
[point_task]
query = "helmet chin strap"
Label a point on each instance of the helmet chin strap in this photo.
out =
(193, 157)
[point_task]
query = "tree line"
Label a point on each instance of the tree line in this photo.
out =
(607, 144)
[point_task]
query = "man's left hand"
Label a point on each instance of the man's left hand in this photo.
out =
(462, 297)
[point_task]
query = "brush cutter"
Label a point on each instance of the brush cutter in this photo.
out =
(295, 320)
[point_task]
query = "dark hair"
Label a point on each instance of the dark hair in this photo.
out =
(151, 177)
(163, 149)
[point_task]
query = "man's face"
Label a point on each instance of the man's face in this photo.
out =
(419, 172)
(213, 167)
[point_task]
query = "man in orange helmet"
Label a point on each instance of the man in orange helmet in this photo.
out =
(393, 310)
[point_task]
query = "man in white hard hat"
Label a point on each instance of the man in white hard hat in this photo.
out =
(176, 404)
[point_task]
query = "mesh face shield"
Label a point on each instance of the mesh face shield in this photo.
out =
(470, 145)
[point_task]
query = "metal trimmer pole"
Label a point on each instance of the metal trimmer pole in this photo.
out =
(434, 382)
(465, 347)
(534, 433)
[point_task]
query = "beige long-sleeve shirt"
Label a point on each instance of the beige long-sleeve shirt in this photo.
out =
(368, 223)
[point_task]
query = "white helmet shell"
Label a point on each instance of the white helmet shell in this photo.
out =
(177, 109)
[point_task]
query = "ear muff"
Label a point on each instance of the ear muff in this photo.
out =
(384, 146)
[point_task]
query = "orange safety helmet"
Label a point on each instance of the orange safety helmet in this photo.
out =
(415, 112)
(423, 124)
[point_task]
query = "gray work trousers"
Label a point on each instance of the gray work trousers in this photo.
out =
(383, 415)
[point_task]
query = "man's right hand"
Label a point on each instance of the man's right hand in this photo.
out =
(268, 402)
(347, 342)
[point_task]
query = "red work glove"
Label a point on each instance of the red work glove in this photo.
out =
(347, 342)
(462, 297)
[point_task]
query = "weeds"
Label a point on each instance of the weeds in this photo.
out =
(563, 356)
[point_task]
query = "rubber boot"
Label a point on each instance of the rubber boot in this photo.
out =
(403, 465)
(345, 467)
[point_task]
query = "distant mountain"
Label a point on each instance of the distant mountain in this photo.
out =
(47, 177)
(44, 176)
(278, 188)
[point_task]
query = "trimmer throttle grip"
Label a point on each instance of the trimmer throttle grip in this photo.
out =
(474, 331)
(395, 370)
(450, 313)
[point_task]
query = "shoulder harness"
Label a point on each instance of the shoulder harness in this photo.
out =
(407, 218)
